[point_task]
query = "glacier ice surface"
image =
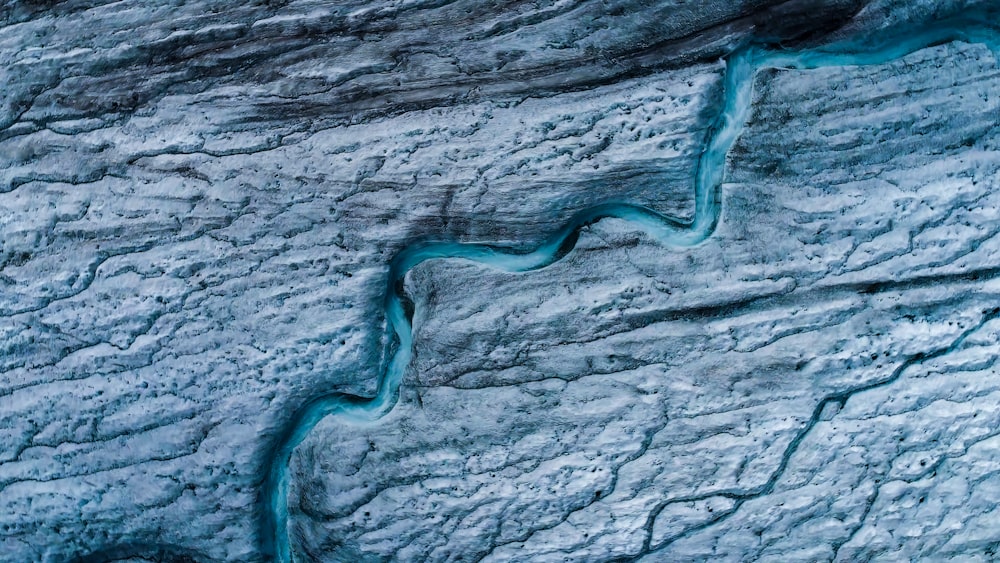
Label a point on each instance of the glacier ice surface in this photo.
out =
(739, 305)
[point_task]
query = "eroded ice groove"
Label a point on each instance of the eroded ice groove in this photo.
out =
(741, 69)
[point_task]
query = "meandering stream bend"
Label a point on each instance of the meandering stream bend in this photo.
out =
(741, 68)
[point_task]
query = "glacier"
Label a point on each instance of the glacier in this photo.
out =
(490, 495)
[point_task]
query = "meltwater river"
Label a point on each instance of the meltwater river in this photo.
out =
(741, 67)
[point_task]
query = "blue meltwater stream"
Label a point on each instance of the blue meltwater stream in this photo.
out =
(741, 68)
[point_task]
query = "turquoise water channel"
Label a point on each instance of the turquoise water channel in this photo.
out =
(741, 68)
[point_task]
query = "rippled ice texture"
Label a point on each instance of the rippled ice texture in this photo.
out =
(729, 297)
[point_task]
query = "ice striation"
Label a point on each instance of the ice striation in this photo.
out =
(427, 281)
